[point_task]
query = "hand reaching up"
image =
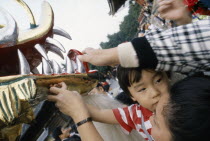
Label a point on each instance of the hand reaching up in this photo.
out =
(100, 57)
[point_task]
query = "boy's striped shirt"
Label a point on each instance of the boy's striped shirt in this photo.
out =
(134, 117)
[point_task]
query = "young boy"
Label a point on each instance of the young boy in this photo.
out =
(144, 87)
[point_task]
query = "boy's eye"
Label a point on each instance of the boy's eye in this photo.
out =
(141, 90)
(159, 80)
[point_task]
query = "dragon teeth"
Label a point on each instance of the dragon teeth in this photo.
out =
(23, 64)
(41, 50)
(35, 71)
(54, 42)
(46, 68)
(69, 66)
(55, 50)
(56, 68)
(81, 68)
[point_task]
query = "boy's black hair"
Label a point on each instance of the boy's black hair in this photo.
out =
(127, 76)
(188, 110)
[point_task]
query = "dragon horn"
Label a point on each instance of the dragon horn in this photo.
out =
(46, 69)
(23, 64)
(61, 32)
(54, 42)
(44, 27)
(69, 66)
(41, 50)
(31, 16)
(8, 33)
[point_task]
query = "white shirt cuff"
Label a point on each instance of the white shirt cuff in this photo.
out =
(127, 55)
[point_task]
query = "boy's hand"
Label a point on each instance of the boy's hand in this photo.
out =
(174, 10)
(69, 102)
(100, 57)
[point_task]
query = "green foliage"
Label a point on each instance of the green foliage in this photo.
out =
(128, 28)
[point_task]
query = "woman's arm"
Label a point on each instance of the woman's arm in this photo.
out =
(71, 104)
(182, 49)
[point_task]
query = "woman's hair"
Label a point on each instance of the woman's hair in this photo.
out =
(188, 111)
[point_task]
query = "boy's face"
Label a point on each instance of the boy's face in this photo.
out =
(148, 90)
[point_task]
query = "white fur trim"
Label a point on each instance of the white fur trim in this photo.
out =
(127, 55)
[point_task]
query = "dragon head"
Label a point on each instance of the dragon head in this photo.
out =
(21, 85)
(32, 44)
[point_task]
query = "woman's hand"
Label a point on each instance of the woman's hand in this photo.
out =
(68, 102)
(71, 103)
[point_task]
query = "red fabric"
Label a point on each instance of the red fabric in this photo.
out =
(190, 3)
(130, 118)
(130, 122)
(200, 10)
(72, 55)
(104, 83)
(121, 122)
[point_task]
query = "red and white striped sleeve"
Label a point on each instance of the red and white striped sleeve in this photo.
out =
(124, 117)
(131, 118)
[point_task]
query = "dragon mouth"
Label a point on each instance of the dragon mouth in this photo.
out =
(22, 86)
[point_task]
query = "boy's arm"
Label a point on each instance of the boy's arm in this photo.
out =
(102, 115)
